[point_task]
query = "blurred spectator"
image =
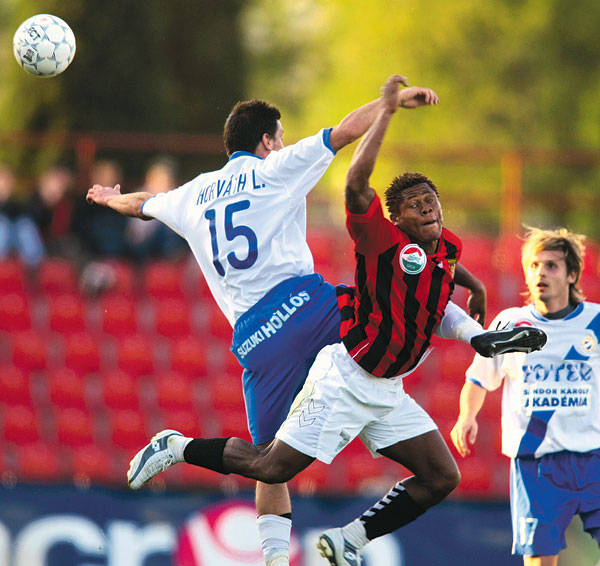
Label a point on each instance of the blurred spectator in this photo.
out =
(18, 233)
(148, 239)
(100, 229)
(51, 208)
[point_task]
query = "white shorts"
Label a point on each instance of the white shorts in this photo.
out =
(340, 401)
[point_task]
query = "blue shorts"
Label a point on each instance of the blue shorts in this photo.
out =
(545, 494)
(276, 342)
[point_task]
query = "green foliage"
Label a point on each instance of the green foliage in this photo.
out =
(509, 73)
(140, 66)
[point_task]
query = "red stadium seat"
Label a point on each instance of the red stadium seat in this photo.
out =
(58, 276)
(135, 355)
(12, 277)
(186, 421)
(82, 353)
(66, 313)
(120, 390)
(124, 278)
(119, 315)
(165, 279)
(129, 430)
(15, 315)
(188, 356)
(476, 477)
(195, 476)
(90, 464)
(442, 399)
(364, 472)
(39, 463)
(14, 386)
(66, 388)
(172, 318)
(312, 479)
(74, 427)
(29, 351)
(20, 425)
(234, 423)
(226, 393)
(218, 325)
(173, 391)
(477, 254)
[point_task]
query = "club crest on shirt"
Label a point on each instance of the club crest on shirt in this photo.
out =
(412, 259)
(588, 345)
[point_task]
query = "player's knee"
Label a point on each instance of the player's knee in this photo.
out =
(276, 475)
(448, 481)
(274, 472)
(443, 482)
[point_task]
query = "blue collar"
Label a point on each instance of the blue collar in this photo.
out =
(236, 154)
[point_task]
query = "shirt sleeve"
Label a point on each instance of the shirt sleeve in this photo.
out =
(300, 166)
(168, 208)
(371, 230)
(485, 372)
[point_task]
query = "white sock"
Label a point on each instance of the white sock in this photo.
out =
(274, 533)
(355, 533)
(177, 445)
(457, 324)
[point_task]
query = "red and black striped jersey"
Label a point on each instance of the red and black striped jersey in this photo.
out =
(400, 295)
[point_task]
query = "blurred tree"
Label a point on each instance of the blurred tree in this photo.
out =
(140, 66)
(509, 73)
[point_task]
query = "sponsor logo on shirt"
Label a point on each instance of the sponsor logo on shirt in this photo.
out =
(563, 387)
(412, 259)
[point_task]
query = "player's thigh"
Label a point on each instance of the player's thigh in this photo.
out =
(332, 408)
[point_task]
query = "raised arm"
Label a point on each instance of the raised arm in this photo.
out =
(111, 197)
(358, 193)
(355, 124)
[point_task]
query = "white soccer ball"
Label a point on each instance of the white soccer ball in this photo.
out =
(44, 45)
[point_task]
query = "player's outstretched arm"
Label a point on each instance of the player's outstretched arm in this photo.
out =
(355, 124)
(477, 301)
(111, 197)
(464, 432)
(359, 195)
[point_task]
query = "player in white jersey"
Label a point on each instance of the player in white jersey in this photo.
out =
(246, 225)
(550, 402)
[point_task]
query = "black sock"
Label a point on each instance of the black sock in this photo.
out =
(206, 452)
(286, 516)
(391, 512)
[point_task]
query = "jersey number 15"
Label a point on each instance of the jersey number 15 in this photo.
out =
(231, 233)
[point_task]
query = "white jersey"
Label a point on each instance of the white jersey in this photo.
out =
(246, 223)
(551, 398)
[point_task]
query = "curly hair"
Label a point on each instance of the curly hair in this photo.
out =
(539, 240)
(246, 124)
(394, 193)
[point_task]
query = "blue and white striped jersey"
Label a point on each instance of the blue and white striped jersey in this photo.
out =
(246, 223)
(551, 398)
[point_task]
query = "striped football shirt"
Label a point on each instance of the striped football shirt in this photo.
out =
(400, 295)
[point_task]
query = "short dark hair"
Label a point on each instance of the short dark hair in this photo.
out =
(394, 193)
(246, 124)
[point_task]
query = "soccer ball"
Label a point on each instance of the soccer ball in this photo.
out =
(44, 45)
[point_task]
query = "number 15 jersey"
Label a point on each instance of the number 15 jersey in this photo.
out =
(246, 222)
